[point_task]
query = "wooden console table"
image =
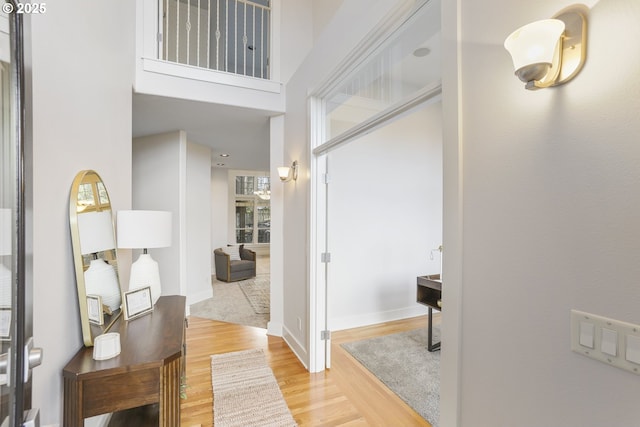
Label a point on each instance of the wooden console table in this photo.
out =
(429, 293)
(147, 371)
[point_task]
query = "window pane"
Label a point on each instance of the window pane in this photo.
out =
(264, 216)
(245, 185)
(244, 214)
(262, 183)
(244, 236)
(264, 236)
(409, 62)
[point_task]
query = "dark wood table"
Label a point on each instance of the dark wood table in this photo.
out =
(429, 293)
(146, 372)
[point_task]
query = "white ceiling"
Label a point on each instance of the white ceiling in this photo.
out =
(240, 132)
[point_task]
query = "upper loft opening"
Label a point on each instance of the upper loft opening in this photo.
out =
(225, 35)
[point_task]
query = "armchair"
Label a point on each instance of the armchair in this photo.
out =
(231, 270)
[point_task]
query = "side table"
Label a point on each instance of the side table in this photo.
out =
(147, 371)
(429, 293)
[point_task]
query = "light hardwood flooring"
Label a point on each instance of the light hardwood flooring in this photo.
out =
(346, 395)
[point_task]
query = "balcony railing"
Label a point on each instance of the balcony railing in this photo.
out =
(223, 35)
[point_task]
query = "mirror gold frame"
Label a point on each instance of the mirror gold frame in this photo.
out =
(89, 196)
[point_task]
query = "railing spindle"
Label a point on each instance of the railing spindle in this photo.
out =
(253, 43)
(188, 28)
(262, 44)
(198, 39)
(177, 30)
(244, 42)
(245, 29)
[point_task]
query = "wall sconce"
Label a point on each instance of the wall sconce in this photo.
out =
(288, 173)
(552, 51)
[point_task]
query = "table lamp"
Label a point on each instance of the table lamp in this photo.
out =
(96, 235)
(139, 229)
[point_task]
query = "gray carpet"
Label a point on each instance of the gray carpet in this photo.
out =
(402, 362)
(230, 304)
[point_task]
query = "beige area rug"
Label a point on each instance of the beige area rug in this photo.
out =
(246, 393)
(258, 293)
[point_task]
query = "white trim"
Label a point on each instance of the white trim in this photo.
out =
(349, 322)
(430, 93)
(200, 296)
(295, 346)
(275, 329)
(210, 76)
(372, 42)
(453, 207)
(183, 213)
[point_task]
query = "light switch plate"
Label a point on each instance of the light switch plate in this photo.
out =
(611, 338)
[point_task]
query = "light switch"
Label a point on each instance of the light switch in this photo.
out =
(609, 343)
(586, 334)
(633, 349)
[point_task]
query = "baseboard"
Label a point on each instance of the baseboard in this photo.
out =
(295, 346)
(274, 329)
(349, 322)
(200, 296)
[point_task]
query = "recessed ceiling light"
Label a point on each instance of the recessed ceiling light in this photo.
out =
(219, 164)
(421, 51)
(224, 155)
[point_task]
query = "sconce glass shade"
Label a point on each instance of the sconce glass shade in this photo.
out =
(288, 173)
(535, 48)
(283, 172)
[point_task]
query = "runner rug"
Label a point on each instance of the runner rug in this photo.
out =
(246, 393)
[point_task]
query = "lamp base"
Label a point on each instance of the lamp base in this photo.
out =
(145, 272)
(101, 279)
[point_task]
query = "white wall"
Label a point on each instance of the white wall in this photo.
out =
(550, 196)
(157, 184)
(219, 210)
(82, 74)
(198, 223)
(171, 174)
(385, 217)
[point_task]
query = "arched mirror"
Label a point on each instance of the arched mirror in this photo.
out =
(94, 255)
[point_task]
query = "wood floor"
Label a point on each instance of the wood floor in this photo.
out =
(345, 395)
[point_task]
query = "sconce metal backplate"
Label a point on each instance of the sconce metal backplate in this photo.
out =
(574, 41)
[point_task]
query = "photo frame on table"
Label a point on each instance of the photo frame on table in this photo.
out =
(137, 302)
(94, 309)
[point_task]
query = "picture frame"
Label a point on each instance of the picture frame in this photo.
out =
(5, 323)
(137, 302)
(94, 309)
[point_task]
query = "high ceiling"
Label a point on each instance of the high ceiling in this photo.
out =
(241, 133)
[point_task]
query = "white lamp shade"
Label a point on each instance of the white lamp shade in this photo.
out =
(96, 232)
(144, 229)
(283, 172)
(534, 43)
(5, 232)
